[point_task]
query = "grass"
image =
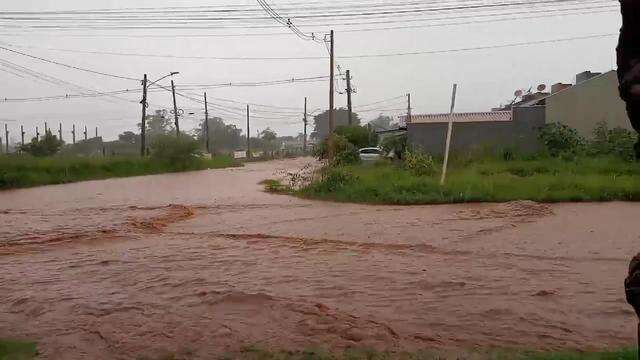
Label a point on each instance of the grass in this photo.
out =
(15, 350)
(256, 353)
(486, 180)
(25, 171)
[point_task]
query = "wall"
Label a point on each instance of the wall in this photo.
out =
(584, 105)
(519, 134)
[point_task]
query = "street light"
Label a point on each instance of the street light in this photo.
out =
(143, 125)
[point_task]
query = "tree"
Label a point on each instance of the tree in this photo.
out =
(321, 122)
(129, 137)
(359, 136)
(47, 146)
(222, 137)
(158, 124)
(269, 136)
(383, 122)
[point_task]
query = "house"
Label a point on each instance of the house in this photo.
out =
(593, 99)
(479, 131)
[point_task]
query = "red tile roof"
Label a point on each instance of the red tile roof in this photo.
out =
(492, 116)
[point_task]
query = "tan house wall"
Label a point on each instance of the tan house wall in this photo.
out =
(584, 105)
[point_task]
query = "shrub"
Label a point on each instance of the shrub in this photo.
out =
(559, 139)
(396, 144)
(47, 146)
(359, 136)
(419, 163)
(618, 142)
(334, 178)
(344, 152)
(179, 150)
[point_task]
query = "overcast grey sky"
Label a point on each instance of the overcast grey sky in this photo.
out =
(486, 78)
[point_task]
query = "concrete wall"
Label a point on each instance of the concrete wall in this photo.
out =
(520, 134)
(585, 104)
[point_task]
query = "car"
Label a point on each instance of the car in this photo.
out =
(370, 154)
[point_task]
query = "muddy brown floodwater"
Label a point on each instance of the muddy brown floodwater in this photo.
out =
(204, 263)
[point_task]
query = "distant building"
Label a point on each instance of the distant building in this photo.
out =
(482, 131)
(593, 99)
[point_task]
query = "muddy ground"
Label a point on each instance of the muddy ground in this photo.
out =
(204, 263)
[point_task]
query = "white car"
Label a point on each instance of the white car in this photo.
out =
(371, 154)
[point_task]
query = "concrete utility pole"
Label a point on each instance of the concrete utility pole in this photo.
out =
(248, 135)
(60, 132)
(175, 108)
(449, 133)
(143, 123)
(6, 137)
(408, 108)
(206, 124)
(304, 146)
(331, 90)
(349, 91)
(85, 133)
(73, 134)
(22, 133)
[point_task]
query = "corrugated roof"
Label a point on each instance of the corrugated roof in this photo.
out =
(491, 116)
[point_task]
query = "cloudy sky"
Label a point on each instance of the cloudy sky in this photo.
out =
(486, 77)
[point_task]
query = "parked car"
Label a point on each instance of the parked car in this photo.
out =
(371, 154)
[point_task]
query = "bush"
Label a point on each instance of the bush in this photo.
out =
(419, 163)
(47, 146)
(396, 144)
(559, 139)
(618, 142)
(344, 152)
(180, 150)
(333, 179)
(359, 136)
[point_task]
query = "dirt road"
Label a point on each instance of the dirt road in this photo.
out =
(203, 263)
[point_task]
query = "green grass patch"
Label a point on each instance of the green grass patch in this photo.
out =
(485, 180)
(16, 350)
(25, 171)
(257, 353)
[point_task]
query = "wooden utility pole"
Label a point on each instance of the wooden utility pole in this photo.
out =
(449, 132)
(408, 108)
(96, 132)
(143, 123)
(6, 137)
(349, 91)
(331, 84)
(175, 108)
(46, 129)
(22, 133)
(206, 124)
(304, 146)
(73, 134)
(37, 134)
(60, 132)
(248, 135)
(85, 133)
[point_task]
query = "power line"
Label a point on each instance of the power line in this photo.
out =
(358, 56)
(66, 65)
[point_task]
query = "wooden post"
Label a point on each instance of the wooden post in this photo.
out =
(304, 146)
(143, 123)
(449, 133)
(248, 136)
(175, 108)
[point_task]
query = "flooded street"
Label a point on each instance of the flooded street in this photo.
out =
(204, 263)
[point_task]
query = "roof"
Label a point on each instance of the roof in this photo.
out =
(571, 88)
(491, 116)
